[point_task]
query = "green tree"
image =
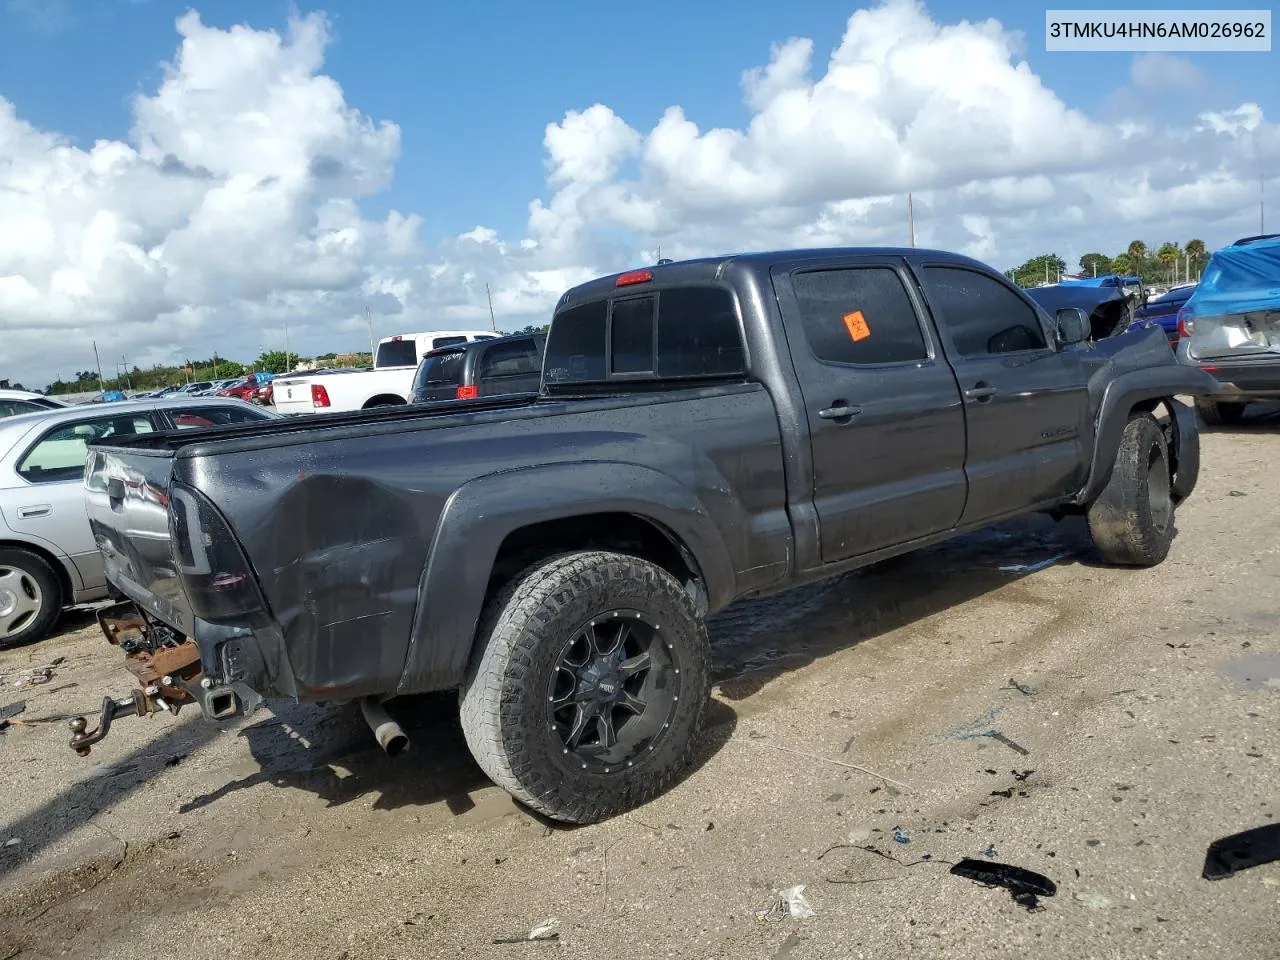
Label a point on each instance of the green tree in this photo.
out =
(1168, 255)
(1095, 264)
(1122, 265)
(1137, 251)
(530, 328)
(1046, 267)
(275, 361)
(1196, 254)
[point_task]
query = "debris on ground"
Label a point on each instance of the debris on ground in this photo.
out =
(34, 676)
(13, 841)
(1034, 567)
(1025, 886)
(1240, 851)
(1022, 688)
(791, 902)
(899, 836)
(990, 851)
(10, 711)
(543, 931)
(1016, 747)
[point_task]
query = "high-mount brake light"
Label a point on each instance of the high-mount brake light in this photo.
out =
(634, 277)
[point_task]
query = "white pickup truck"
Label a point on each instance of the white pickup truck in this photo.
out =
(389, 382)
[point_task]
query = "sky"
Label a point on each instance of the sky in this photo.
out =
(177, 179)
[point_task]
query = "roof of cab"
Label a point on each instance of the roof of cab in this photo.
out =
(703, 269)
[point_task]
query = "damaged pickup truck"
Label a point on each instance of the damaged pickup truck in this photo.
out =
(706, 431)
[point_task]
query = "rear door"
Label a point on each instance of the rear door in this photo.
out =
(511, 366)
(1026, 402)
(439, 376)
(885, 418)
(49, 503)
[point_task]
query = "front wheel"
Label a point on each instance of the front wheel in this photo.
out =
(1131, 522)
(591, 686)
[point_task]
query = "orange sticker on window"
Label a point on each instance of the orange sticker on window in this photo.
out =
(856, 324)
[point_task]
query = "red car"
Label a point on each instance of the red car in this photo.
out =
(247, 389)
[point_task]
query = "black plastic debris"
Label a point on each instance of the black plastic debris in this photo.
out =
(1240, 851)
(10, 711)
(1025, 886)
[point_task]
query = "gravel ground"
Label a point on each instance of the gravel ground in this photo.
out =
(1137, 712)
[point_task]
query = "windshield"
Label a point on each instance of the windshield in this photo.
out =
(396, 353)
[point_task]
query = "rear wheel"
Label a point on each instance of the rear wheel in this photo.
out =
(1218, 413)
(1131, 522)
(591, 687)
(30, 597)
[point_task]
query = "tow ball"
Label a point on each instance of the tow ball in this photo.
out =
(140, 703)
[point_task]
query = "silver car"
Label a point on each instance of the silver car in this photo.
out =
(48, 558)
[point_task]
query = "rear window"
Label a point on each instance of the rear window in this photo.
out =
(683, 332)
(213, 417)
(396, 353)
(517, 358)
(447, 368)
(439, 342)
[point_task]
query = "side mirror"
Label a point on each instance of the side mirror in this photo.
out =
(1073, 325)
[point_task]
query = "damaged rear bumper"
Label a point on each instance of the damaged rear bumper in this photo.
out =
(216, 674)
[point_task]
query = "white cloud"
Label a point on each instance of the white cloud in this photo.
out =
(233, 209)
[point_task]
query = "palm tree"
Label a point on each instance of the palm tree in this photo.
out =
(1195, 253)
(1137, 253)
(1168, 255)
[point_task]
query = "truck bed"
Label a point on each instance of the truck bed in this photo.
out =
(242, 436)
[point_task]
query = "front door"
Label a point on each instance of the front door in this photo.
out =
(49, 488)
(1026, 400)
(885, 419)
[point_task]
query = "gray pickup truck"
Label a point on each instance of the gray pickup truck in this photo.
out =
(705, 431)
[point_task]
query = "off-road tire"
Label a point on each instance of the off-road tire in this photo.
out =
(505, 711)
(1131, 521)
(1220, 413)
(46, 580)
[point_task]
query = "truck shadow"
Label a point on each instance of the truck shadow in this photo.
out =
(756, 641)
(1260, 418)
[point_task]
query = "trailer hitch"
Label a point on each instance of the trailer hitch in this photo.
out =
(140, 703)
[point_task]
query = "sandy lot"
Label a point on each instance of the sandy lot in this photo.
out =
(1138, 709)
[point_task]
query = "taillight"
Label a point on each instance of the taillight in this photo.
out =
(468, 393)
(319, 395)
(215, 575)
(1185, 323)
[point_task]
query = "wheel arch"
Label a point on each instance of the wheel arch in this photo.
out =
(1143, 391)
(494, 527)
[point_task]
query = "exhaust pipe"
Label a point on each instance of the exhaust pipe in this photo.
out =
(385, 730)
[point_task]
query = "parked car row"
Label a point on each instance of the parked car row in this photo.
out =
(702, 431)
(48, 558)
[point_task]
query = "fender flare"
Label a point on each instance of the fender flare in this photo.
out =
(1136, 390)
(1184, 449)
(480, 515)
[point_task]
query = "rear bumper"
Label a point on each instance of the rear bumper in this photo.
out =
(1253, 380)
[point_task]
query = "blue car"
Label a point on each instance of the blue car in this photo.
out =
(1163, 310)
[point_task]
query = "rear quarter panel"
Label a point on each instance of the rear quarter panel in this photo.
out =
(341, 534)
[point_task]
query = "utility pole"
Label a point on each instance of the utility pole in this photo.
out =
(911, 221)
(124, 364)
(287, 365)
(368, 319)
(492, 321)
(98, 363)
(1262, 207)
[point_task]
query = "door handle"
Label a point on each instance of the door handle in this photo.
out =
(839, 410)
(30, 513)
(980, 391)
